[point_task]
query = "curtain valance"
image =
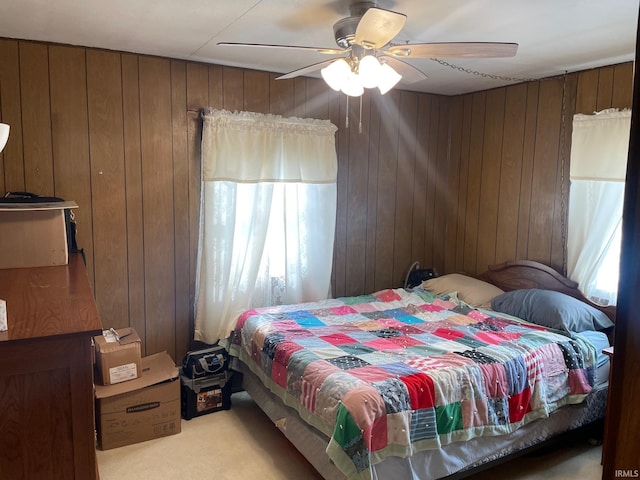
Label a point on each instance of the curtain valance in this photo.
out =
(307, 144)
(599, 146)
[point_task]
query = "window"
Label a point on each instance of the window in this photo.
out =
(599, 149)
(267, 216)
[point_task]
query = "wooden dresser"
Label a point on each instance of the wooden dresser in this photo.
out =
(46, 373)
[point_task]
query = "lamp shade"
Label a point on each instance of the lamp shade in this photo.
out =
(336, 74)
(4, 135)
(353, 87)
(369, 71)
(387, 78)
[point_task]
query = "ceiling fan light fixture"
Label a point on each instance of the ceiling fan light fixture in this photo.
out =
(387, 78)
(369, 32)
(369, 71)
(336, 74)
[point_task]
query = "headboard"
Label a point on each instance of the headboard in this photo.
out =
(521, 274)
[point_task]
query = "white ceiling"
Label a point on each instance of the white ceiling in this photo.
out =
(554, 36)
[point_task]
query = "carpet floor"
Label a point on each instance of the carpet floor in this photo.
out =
(242, 443)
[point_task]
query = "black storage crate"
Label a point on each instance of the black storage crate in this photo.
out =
(203, 395)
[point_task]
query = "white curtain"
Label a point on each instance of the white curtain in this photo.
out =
(268, 215)
(599, 149)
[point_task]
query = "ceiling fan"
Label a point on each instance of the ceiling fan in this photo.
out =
(369, 59)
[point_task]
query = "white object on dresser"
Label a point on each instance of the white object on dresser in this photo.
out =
(3, 316)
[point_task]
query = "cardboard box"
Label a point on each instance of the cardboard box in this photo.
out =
(141, 409)
(117, 355)
(33, 234)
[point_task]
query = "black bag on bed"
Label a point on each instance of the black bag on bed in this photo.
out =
(209, 361)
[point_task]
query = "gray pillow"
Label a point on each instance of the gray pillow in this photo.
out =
(551, 309)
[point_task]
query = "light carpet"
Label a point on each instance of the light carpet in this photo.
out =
(242, 443)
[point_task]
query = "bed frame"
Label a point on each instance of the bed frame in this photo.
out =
(521, 274)
(507, 276)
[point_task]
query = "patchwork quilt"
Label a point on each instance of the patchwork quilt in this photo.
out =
(397, 371)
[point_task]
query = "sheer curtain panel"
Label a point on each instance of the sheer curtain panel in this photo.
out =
(599, 149)
(268, 211)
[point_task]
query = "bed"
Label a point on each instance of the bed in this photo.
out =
(431, 382)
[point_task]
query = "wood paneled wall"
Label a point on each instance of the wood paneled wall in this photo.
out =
(451, 182)
(509, 167)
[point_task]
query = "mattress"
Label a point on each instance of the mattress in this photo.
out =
(599, 341)
(453, 459)
(523, 375)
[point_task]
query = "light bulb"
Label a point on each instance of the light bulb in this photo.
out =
(336, 73)
(369, 71)
(387, 78)
(353, 87)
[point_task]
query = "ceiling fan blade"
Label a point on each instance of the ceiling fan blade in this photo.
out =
(307, 69)
(410, 74)
(377, 27)
(327, 51)
(458, 50)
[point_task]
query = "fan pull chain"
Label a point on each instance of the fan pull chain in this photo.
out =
(346, 120)
(360, 119)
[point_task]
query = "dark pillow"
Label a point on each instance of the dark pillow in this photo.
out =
(551, 309)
